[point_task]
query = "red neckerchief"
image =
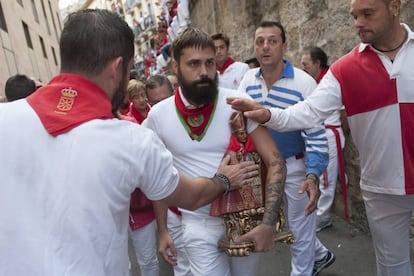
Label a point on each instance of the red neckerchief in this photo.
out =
(229, 61)
(195, 121)
(137, 115)
(69, 100)
(323, 72)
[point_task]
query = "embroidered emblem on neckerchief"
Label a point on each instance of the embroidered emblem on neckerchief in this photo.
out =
(66, 100)
(195, 121)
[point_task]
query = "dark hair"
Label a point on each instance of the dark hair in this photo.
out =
(191, 38)
(91, 38)
(158, 80)
(223, 37)
(316, 54)
(268, 24)
(253, 60)
(133, 74)
(19, 87)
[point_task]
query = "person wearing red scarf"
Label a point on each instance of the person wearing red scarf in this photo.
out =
(142, 225)
(231, 72)
(67, 179)
(194, 125)
(137, 97)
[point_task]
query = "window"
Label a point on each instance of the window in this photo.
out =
(27, 35)
(60, 26)
(35, 15)
(45, 15)
(53, 21)
(3, 25)
(42, 43)
(54, 56)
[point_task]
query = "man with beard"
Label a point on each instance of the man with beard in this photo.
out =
(375, 84)
(194, 126)
(67, 179)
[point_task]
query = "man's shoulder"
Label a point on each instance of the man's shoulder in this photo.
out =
(162, 106)
(240, 64)
(226, 92)
(18, 108)
(252, 73)
(300, 75)
(237, 65)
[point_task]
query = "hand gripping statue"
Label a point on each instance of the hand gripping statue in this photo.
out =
(243, 209)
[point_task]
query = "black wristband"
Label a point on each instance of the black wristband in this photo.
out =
(225, 180)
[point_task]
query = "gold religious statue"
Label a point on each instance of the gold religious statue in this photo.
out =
(243, 209)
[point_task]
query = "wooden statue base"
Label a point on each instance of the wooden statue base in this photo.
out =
(240, 223)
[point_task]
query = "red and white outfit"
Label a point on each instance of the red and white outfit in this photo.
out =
(379, 101)
(67, 180)
(201, 154)
(231, 73)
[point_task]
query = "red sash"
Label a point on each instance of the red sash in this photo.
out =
(341, 164)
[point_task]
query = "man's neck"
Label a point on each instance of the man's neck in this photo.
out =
(221, 63)
(188, 103)
(272, 74)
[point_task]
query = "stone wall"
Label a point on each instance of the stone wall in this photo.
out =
(322, 23)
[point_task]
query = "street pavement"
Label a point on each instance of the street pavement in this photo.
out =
(353, 251)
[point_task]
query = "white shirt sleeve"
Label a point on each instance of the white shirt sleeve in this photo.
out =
(312, 111)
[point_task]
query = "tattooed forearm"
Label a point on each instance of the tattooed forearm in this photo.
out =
(275, 184)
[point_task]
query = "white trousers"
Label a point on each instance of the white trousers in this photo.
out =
(329, 178)
(200, 239)
(175, 229)
(389, 218)
(144, 241)
(307, 247)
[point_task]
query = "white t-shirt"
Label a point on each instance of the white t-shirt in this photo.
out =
(233, 75)
(192, 157)
(65, 200)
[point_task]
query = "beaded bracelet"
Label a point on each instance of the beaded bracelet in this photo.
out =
(225, 180)
(313, 177)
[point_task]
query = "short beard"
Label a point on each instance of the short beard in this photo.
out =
(118, 99)
(198, 96)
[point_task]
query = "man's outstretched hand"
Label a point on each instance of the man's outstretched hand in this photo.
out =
(250, 109)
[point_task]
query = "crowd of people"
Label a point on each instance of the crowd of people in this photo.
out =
(172, 20)
(109, 155)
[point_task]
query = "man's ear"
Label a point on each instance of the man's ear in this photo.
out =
(319, 63)
(115, 68)
(285, 46)
(395, 7)
(174, 65)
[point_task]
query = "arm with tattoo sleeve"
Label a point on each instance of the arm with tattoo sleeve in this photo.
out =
(262, 235)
